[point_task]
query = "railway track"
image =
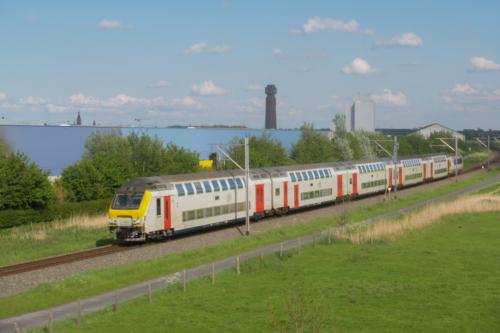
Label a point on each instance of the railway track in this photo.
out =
(60, 259)
(107, 249)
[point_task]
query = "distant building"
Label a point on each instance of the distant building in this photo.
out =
(425, 131)
(361, 116)
(271, 91)
(78, 119)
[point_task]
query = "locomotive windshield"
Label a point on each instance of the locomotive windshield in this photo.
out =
(127, 200)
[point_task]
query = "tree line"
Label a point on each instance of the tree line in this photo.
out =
(110, 160)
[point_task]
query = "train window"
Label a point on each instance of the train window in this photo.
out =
(190, 215)
(239, 182)
(277, 192)
(216, 211)
(197, 186)
(299, 177)
(316, 174)
(208, 212)
(223, 184)
(310, 174)
(328, 173)
(216, 185)
(206, 185)
(158, 207)
(232, 185)
(189, 188)
(180, 189)
(321, 173)
(304, 175)
(363, 168)
(199, 214)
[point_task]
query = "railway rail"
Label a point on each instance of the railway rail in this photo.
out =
(60, 259)
(108, 249)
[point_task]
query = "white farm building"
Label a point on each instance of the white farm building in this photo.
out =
(426, 131)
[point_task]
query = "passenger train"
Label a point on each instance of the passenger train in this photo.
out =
(157, 207)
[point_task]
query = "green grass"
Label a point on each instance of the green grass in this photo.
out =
(443, 278)
(100, 281)
(29, 242)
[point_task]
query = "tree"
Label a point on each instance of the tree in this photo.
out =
(264, 152)
(83, 181)
(341, 142)
(110, 160)
(312, 147)
(22, 183)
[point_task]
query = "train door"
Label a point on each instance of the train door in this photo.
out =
(167, 212)
(449, 167)
(259, 198)
(354, 183)
(400, 177)
(390, 177)
(296, 196)
(340, 185)
(432, 170)
(425, 170)
(285, 194)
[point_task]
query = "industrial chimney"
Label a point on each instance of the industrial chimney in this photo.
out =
(271, 106)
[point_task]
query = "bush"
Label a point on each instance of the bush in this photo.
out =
(15, 217)
(22, 183)
(110, 160)
(264, 152)
(313, 147)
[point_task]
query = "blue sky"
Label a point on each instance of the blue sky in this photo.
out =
(195, 62)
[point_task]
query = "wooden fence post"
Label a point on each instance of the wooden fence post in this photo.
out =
(281, 250)
(184, 282)
(150, 294)
(115, 303)
(213, 273)
(17, 328)
(50, 327)
(238, 265)
(79, 315)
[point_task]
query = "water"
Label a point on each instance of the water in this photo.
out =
(55, 147)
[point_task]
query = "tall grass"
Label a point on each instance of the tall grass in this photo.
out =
(42, 231)
(391, 229)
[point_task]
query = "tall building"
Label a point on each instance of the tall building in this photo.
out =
(361, 116)
(78, 119)
(271, 91)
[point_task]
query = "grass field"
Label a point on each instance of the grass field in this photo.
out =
(100, 281)
(441, 278)
(28, 242)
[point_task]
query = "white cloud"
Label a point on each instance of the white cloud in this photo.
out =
(32, 100)
(208, 88)
(203, 47)
(315, 24)
(186, 102)
(358, 66)
(80, 99)
(279, 53)
(160, 84)
(483, 64)
(254, 87)
(3, 96)
(408, 39)
(389, 98)
(110, 24)
(464, 88)
(52, 108)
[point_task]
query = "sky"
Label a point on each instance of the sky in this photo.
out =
(162, 63)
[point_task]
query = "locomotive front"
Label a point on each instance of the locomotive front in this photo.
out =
(127, 214)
